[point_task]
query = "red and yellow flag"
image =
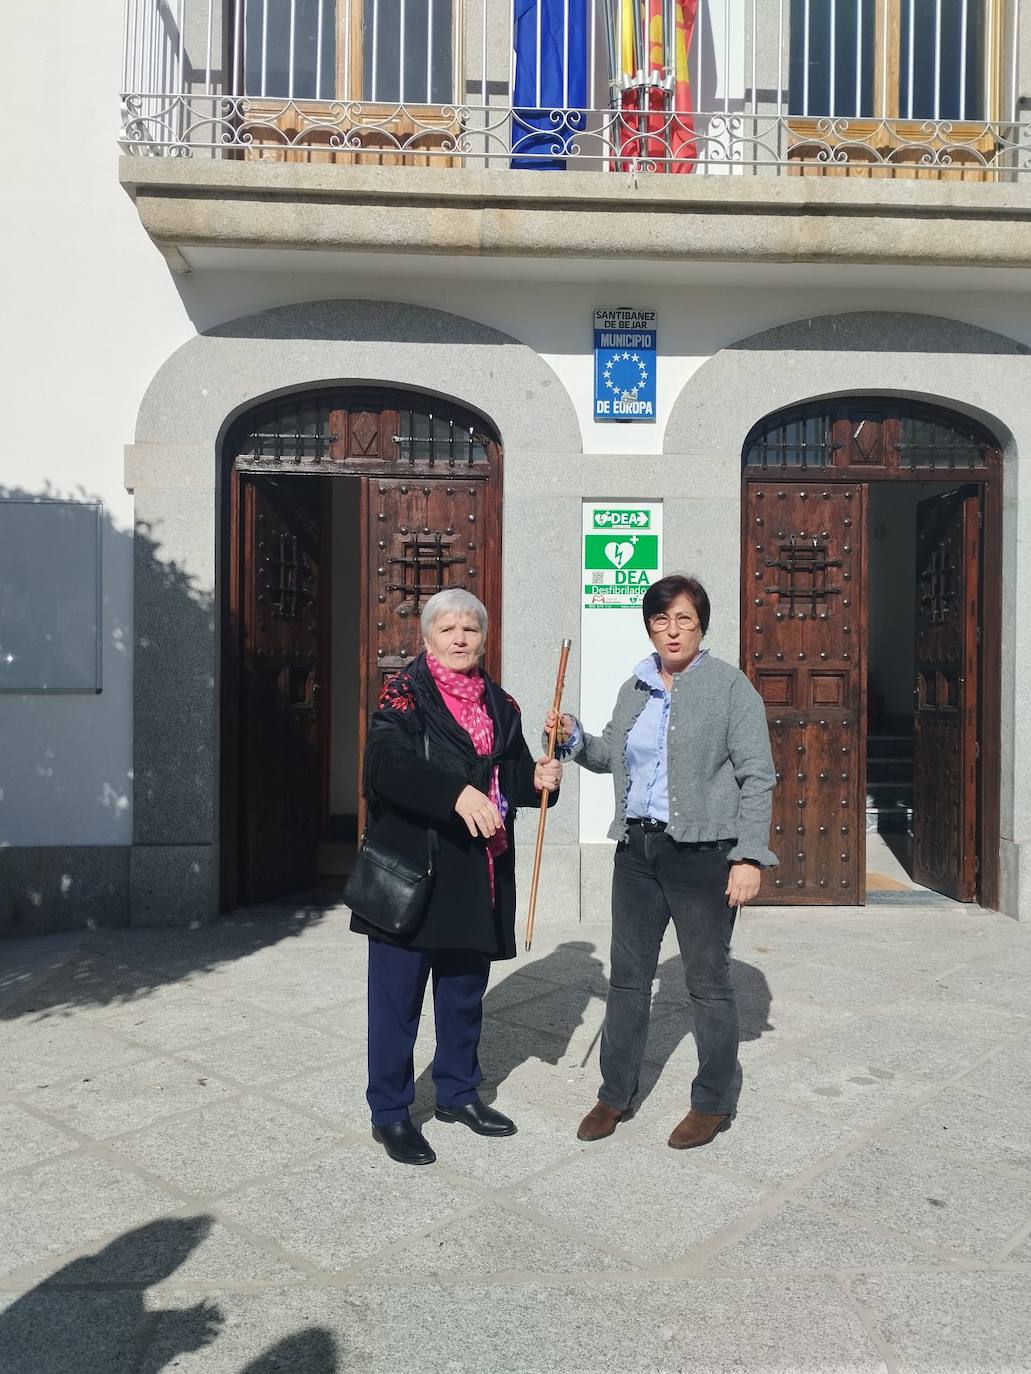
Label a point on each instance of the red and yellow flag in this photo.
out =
(655, 124)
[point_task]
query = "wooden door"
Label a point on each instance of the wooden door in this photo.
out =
(945, 736)
(424, 534)
(805, 649)
(281, 773)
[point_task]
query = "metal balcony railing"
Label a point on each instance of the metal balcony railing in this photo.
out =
(906, 89)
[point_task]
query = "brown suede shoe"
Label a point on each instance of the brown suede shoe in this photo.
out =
(698, 1128)
(601, 1121)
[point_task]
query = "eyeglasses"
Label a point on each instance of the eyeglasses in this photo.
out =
(682, 622)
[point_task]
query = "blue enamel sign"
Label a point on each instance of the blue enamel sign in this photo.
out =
(624, 365)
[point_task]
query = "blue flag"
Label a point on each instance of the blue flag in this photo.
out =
(550, 93)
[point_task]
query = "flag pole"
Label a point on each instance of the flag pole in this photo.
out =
(556, 706)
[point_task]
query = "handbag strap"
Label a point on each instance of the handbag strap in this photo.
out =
(431, 834)
(432, 841)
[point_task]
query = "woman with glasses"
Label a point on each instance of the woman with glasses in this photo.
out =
(689, 753)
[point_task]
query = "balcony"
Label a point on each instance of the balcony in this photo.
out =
(732, 107)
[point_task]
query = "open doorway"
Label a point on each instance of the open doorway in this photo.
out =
(871, 600)
(891, 682)
(345, 511)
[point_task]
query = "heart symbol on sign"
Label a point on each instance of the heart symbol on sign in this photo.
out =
(618, 554)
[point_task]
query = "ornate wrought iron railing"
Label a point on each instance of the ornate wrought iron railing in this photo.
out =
(902, 89)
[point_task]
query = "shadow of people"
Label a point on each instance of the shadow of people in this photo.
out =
(542, 1023)
(312, 1351)
(83, 1316)
(539, 1024)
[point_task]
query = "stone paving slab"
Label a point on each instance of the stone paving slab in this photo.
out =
(189, 1183)
(935, 1323)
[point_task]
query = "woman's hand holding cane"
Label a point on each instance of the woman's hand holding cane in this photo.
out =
(547, 775)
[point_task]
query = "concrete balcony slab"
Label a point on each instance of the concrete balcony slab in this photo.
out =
(187, 203)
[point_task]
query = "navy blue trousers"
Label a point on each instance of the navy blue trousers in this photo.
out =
(397, 986)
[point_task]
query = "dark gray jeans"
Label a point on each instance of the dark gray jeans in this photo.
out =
(655, 880)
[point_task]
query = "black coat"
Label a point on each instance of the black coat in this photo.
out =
(408, 794)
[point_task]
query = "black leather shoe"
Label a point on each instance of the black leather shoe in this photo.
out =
(404, 1142)
(479, 1118)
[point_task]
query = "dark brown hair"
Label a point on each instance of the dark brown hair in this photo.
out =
(662, 593)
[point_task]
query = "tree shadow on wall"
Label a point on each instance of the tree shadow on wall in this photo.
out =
(58, 770)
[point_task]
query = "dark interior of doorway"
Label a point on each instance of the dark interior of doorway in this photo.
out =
(338, 843)
(891, 674)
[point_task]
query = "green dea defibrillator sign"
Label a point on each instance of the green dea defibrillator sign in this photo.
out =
(621, 554)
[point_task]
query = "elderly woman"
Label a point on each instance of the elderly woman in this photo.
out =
(477, 772)
(689, 752)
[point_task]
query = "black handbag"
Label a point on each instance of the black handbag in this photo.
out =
(387, 890)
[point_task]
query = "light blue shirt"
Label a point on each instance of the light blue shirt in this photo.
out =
(646, 762)
(646, 755)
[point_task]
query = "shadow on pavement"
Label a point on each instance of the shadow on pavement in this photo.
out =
(44, 977)
(576, 972)
(91, 1315)
(313, 1351)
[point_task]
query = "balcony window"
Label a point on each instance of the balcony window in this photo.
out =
(406, 51)
(383, 51)
(289, 49)
(892, 59)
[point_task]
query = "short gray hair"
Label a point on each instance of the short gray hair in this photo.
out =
(449, 600)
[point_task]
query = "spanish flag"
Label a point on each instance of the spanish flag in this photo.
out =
(654, 85)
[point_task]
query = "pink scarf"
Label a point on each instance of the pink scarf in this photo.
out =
(463, 695)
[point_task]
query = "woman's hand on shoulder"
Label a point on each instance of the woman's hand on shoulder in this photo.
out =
(743, 882)
(547, 775)
(480, 814)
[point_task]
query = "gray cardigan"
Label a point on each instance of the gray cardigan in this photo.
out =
(720, 767)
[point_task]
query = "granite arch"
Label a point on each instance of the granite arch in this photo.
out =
(941, 361)
(173, 469)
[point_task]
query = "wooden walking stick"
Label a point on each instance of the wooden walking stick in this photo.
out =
(556, 706)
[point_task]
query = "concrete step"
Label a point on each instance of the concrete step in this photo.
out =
(889, 820)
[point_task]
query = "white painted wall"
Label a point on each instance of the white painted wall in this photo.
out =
(89, 312)
(550, 305)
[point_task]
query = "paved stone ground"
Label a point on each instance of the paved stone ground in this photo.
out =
(188, 1182)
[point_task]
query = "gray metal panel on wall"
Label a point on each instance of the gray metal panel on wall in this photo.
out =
(917, 357)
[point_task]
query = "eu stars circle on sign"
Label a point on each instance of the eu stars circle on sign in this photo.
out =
(625, 374)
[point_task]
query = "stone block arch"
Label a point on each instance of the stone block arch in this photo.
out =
(216, 375)
(919, 357)
(173, 470)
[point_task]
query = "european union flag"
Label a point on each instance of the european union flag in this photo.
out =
(550, 93)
